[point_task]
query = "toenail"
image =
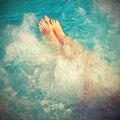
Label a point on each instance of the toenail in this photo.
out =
(45, 16)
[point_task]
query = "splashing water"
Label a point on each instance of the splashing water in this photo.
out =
(37, 83)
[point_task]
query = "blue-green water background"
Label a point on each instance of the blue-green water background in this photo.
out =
(91, 23)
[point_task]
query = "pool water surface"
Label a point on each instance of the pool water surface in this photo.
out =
(38, 84)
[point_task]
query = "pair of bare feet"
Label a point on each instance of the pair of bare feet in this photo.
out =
(51, 31)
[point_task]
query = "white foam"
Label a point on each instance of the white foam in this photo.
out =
(25, 45)
(62, 76)
(81, 10)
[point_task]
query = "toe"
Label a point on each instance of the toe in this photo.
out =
(42, 21)
(54, 20)
(57, 22)
(46, 19)
(38, 24)
(51, 21)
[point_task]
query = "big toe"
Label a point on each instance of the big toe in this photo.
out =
(46, 19)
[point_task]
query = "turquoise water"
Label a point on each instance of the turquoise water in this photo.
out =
(36, 84)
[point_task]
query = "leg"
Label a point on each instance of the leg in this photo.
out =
(64, 40)
(51, 30)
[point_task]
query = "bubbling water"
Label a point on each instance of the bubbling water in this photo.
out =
(87, 72)
(35, 74)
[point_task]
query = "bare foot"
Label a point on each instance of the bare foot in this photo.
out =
(51, 30)
(64, 40)
(58, 31)
(46, 31)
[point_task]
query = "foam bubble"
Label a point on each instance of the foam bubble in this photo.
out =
(81, 10)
